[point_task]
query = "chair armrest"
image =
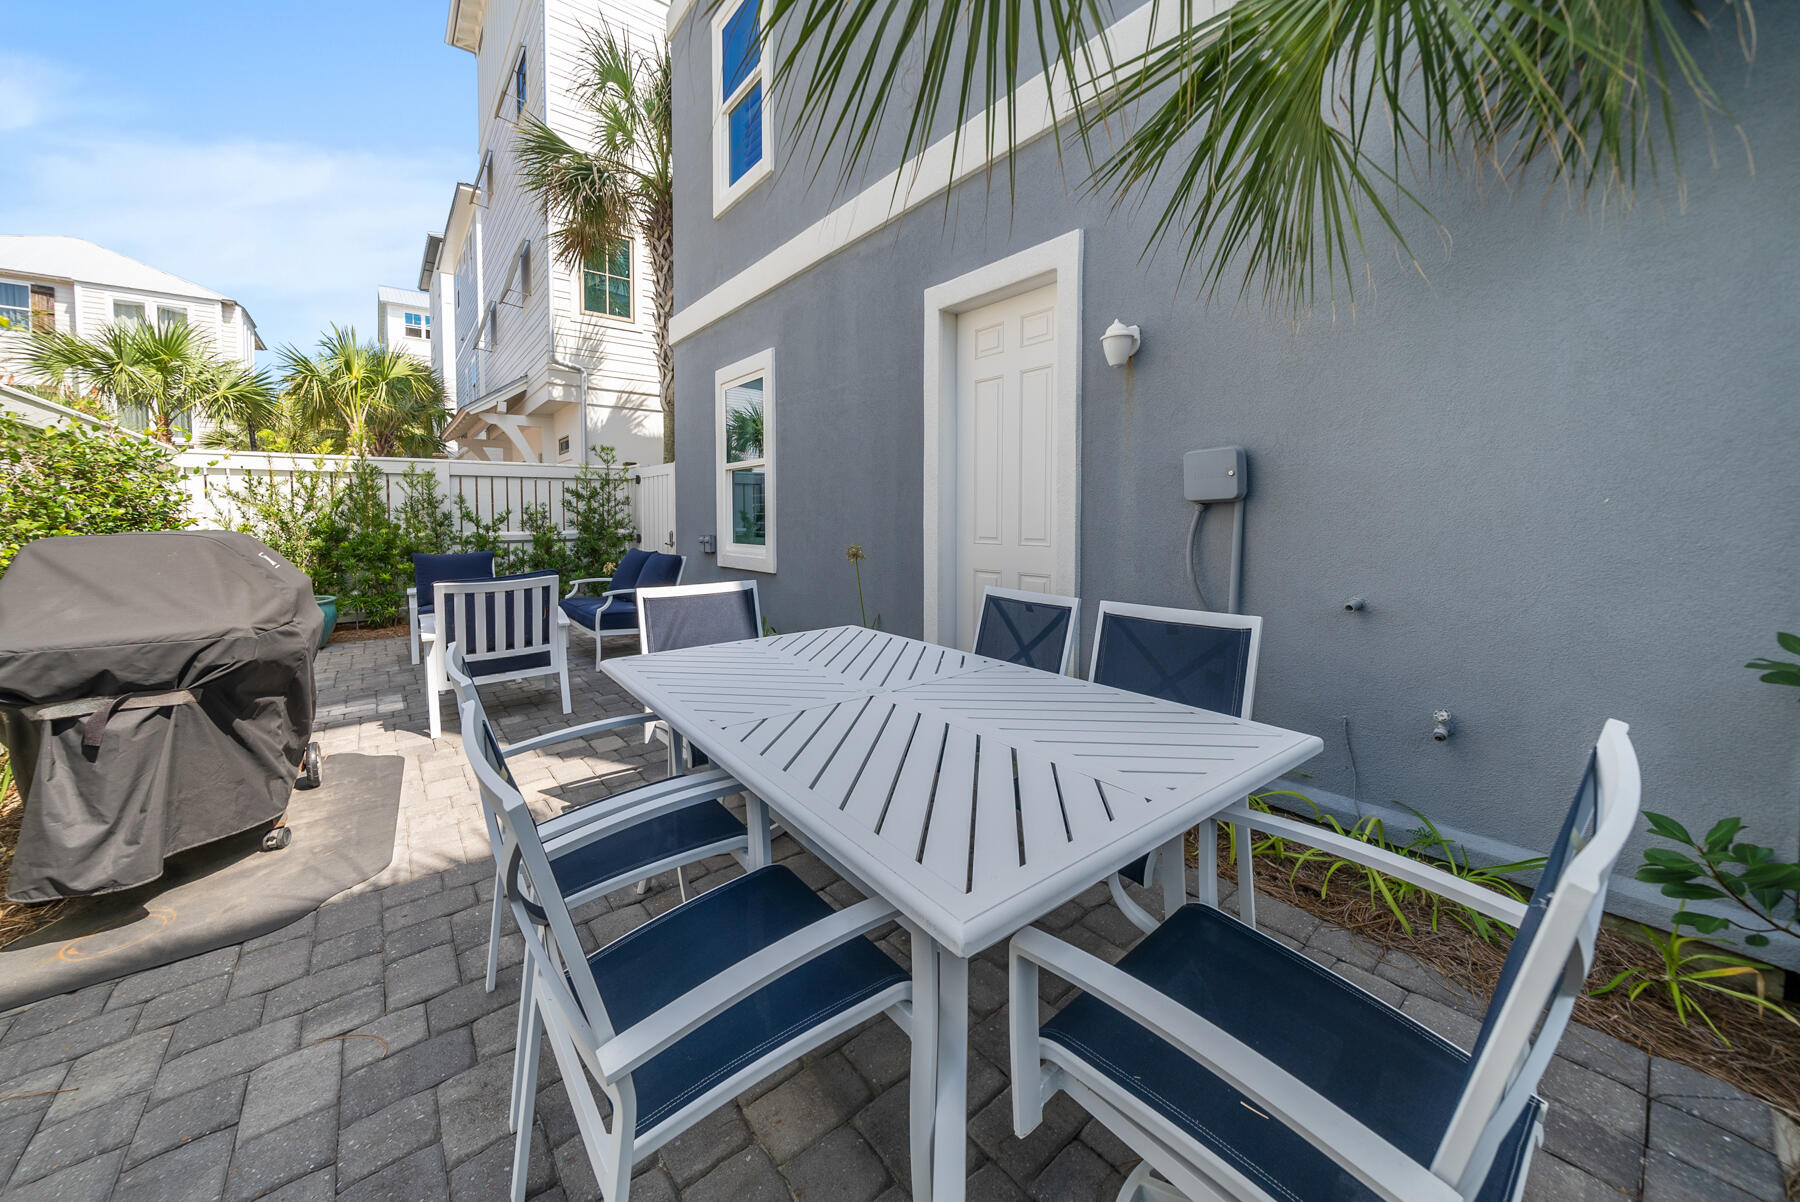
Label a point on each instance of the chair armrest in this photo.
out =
(1435, 880)
(1372, 1160)
(575, 585)
(580, 731)
(557, 831)
(630, 1048)
(640, 805)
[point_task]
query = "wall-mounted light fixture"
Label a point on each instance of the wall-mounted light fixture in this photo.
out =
(1120, 342)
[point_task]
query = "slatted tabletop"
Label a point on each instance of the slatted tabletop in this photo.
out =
(972, 794)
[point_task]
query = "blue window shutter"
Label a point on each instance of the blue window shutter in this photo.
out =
(746, 133)
(741, 47)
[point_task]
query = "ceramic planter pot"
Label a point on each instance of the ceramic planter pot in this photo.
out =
(328, 605)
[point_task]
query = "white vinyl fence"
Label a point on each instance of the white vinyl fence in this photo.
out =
(489, 488)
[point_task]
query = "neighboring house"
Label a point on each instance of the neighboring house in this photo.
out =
(403, 320)
(1561, 470)
(545, 362)
(439, 287)
(51, 282)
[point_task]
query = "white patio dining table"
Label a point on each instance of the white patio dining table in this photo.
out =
(972, 795)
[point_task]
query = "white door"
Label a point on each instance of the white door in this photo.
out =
(1006, 535)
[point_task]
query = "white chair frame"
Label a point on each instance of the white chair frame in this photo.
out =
(680, 757)
(562, 1003)
(1501, 1082)
(1169, 862)
(475, 643)
(601, 636)
(1072, 604)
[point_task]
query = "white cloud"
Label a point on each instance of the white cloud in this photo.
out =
(35, 90)
(300, 234)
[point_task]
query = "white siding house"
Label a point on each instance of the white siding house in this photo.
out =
(70, 284)
(403, 321)
(545, 361)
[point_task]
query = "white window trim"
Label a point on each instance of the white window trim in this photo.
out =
(24, 325)
(739, 555)
(144, 308)
(187, 317)
(725, 192)
(595, 314)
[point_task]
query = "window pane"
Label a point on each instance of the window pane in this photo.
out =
(619, 262)
(744, 421)
(166, 317)
(746, 133)
(606, 282)
(740, 47)
(15, 305)
(747, 514)
(618, 297)
(125, 311)
(593, 291)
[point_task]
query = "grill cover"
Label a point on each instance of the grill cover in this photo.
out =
(113, 618)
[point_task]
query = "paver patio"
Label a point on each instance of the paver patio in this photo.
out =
(356, 1055)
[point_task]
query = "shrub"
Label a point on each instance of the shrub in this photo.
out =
(69, 479)
(286, 512)
(599, 508)
(364, 558)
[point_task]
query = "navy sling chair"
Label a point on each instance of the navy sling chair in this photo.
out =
(1190, 657)
(682, 1014)
(694, 615)
(1240, 1069)
(1035, 630)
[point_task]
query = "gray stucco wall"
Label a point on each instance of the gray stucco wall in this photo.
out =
(1562, 471)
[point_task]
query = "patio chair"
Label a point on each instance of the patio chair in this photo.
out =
(1191, 657)
(693, 615)
(427, 571)
(685, 1012)
(614, 612)
(1036, 630)
(1239, 1069)
(508, 628)
(700, 829)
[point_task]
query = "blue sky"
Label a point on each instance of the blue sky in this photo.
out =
(292, 156)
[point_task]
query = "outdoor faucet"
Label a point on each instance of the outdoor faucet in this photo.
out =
(1443, 725)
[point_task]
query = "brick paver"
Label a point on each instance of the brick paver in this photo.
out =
(356, 1055)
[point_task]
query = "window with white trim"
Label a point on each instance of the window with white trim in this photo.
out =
(128, 313)
(170, 315)
(746, 463)
(606, 282)
(418, 325)
(741, 126)
(15, 304)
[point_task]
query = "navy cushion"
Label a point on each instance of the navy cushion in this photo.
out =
(699, 619)
(1393, 1075)
(625, 575)
(646, 843)
(661, 571)
(640, 972)
(620, 615)
(431, 570)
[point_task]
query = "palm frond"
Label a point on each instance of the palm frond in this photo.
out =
(1271, 138)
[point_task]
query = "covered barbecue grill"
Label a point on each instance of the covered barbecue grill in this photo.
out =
(156, 693)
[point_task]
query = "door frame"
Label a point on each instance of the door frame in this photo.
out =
(1057, 261)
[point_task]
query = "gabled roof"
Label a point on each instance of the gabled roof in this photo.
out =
(401, 296)
(66, 258)
(58, 257)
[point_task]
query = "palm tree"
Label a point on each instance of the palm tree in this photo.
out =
(596, 197)
(380, 400)
(164, 374)
(1267, 133)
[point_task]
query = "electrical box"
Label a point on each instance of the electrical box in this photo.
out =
(1215, 474)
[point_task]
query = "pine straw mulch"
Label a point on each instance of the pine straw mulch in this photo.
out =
(362, 634)
(17, 921)
(1764, 1056)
